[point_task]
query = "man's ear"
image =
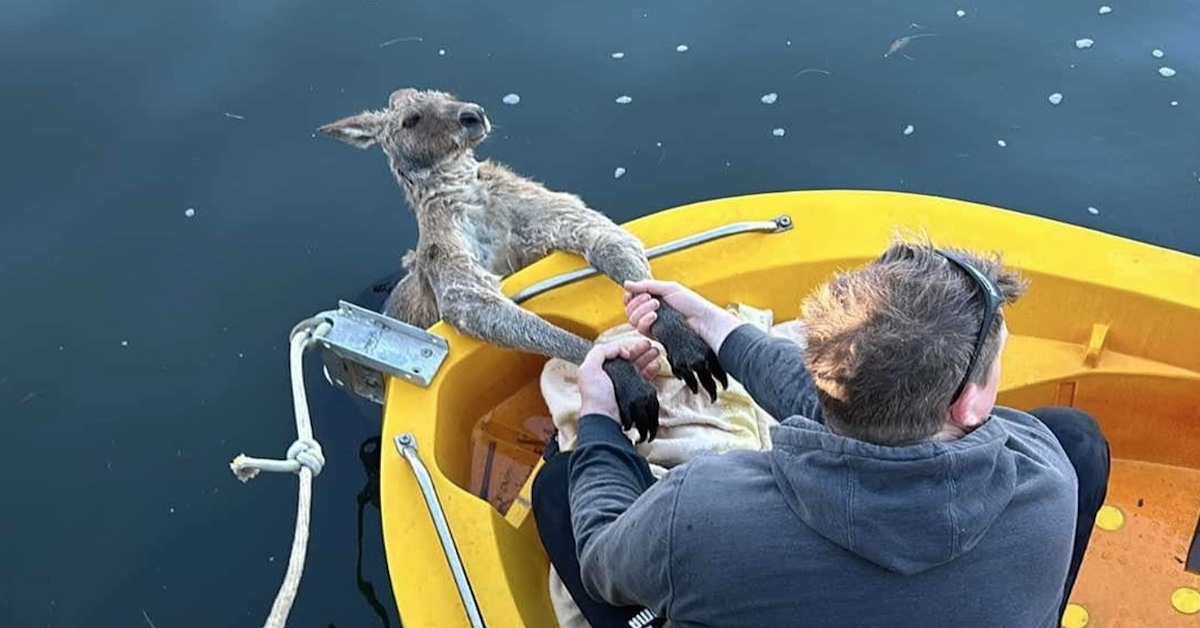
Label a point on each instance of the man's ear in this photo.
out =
(963, 411)
(360, 130)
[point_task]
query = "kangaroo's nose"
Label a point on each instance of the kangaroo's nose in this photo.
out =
(471, 117)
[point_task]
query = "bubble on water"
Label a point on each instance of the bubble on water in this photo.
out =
(1167, 72)
(960, 13)
(189, 212)
(1105, 9)
(618, 55)
(1174, 103)
(124, 343)
(1084, 43)
(779, 132)
(908, 130)
(441, 52)
(1001, 143)
(1158, 54)
(511, 99)
(681, 48)
(1055, 98)
(618, 173)
(1093, 211)
(769, 99)
(624, 100)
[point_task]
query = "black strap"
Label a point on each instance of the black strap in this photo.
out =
(1193, 557)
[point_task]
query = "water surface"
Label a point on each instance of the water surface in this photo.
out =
(143, 349)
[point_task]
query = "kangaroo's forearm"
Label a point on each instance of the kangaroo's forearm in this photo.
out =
(501, 322)
(620, 256)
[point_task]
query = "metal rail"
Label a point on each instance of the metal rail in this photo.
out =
(406, 444)
(776, 225)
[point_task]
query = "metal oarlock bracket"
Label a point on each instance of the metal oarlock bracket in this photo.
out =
(362, 347)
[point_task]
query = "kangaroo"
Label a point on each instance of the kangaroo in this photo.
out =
(479, 221)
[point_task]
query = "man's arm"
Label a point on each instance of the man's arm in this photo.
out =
(622, 518)
(772, 371)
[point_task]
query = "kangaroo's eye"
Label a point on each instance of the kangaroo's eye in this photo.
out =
(411, 121)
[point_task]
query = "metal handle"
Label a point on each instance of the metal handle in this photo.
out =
(406, 444)
(776, 225)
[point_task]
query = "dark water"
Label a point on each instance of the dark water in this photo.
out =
(143, 349)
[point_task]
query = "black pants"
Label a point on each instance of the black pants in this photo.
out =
(552, 511)
(1088, 451)
(1077, 432)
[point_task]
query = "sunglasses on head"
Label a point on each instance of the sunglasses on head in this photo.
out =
(992, 299)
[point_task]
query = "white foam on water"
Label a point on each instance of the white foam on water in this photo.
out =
(618, 173)
(1105, 9)
(1167, 72)
(1055, 98)
(908, 130)
(511, 99)
(681, 48)
(769, 99)
(624, 100)
(189, 212)
(779, 132)
(960, 13)
(1001, 143)
(1084, 43)
(1158, 54)
(1093, 211)
(618, 55)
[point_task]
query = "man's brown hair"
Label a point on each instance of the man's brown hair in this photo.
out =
(887, 343)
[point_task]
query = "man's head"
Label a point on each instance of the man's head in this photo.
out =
(889, 344)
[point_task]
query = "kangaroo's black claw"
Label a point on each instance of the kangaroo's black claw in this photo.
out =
(637, 399)
(691, 359)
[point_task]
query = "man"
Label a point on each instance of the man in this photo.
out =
(896, 493)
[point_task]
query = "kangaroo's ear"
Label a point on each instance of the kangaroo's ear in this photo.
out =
(361, 130)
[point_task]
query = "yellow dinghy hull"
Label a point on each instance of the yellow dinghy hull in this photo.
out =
(1108, 325)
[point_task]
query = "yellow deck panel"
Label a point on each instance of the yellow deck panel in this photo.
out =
(1130, 573)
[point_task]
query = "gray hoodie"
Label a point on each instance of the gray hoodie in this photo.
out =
(826, 530)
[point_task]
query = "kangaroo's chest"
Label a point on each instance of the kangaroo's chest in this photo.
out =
(488, 237)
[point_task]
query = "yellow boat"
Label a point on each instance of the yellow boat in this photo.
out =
(1108, 325)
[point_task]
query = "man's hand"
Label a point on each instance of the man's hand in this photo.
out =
(710, 321)
(595, 386)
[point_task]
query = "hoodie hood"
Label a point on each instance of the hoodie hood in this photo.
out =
(906, 509)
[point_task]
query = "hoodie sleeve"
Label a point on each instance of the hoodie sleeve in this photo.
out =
(772, 371)
(622, 518)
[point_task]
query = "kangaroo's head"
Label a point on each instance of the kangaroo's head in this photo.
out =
(418, 130)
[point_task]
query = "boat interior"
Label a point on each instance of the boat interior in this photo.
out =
(1109, 330)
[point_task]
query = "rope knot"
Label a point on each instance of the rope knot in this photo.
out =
(307, 452)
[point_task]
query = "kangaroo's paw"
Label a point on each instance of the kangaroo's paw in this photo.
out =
(691, 359)
(637, 398)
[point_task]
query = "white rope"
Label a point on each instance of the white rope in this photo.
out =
(304, 457)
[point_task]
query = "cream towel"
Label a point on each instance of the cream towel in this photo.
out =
(689, 424)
